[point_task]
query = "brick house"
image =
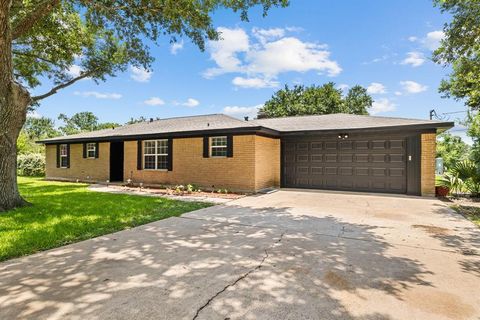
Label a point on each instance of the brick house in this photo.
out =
(337, 151)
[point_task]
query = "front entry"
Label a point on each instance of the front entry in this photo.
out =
(116, 161)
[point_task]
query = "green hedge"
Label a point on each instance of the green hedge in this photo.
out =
(31, 165)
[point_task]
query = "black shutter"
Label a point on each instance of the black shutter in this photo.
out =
(170, 155)
(68, 155)
(58, 156)
(84, 150)
(229, 146)
(139, 155)
(96, 150)
(205, 147)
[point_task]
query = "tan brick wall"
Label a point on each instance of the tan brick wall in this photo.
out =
(82, 169)
(189, 166)
(428, 152)
(267, 162)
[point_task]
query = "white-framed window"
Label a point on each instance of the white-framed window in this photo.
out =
(91, 150)
(63, 156)
(218, 146)
(155, 154)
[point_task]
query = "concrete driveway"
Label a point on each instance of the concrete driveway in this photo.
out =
(286, 255)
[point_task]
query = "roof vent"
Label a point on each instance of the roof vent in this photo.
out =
(246, 118)
(208, 124)
(151, 119)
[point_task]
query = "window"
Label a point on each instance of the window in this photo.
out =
(218, 146)
(155, 154)
(63, 156)
(91, 150)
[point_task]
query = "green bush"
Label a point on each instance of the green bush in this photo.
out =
(31, 165)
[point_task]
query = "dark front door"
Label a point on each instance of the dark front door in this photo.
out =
(361, 162)
(116, 161)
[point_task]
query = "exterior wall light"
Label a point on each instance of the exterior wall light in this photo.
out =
(343, 136)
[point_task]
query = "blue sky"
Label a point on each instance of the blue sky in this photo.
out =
(383, 45)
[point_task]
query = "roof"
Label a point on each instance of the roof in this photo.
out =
(212, 123)
(343, 121)
(170, 125)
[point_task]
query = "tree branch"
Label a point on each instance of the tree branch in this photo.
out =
(27, 54)
(31, 19)
(61, 86)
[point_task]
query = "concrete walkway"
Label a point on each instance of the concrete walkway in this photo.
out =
(286, 255)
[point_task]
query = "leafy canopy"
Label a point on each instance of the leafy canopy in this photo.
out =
(325, 99)
(82, 121)
(452, 149)
(461, 49)
(104, 37)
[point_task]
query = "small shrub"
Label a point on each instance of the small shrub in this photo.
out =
(31, 165)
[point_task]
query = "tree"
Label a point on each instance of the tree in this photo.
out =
(40, 128)
(461, 49)
(43, 39)
(81, 122)
(325, 99)
(452, 149)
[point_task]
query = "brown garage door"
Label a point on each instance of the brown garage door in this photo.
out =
(362, 163)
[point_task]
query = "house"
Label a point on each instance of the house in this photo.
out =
(336, 151)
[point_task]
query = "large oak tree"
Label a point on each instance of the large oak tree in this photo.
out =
(41, 39)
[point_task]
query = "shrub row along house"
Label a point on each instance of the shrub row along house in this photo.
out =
(337, 151)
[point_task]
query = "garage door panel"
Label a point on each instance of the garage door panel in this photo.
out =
(362, 163)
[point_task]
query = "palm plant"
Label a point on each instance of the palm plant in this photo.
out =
(468, 172)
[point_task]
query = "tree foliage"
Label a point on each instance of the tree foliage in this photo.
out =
(325, 99)
(452, 149)
(461, 49)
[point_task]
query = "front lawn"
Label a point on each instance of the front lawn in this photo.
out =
(469, 211)
(63, 213)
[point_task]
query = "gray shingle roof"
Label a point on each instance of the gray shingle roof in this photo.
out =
(340, 121)
(205, 123)
(170, 125)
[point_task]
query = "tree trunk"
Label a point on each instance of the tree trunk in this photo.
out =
(14, 101)
(12, 117)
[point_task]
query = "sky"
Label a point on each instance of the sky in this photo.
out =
(384, 46)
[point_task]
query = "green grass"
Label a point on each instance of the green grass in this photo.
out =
(471, 212)
(63, 213)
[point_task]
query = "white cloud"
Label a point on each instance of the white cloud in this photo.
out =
(34, 114)
(98, 95)
(343, 86)
(382, 105)
(414, 58)
(176, 46)
(74, 70)
(432, 40)
(264, 35)
(398, 93)
(154, 101)
(256, 83)
(376, 88)
(273, 54)
(241, 112)
(191, 103)
(412, 86)
(140, 74)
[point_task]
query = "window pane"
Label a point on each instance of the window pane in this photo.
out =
(91, 154)
(149, 147)
(162, 162)
(149, 162)
(63, 162)
(63, 149)
(219, 141)
(219, 152)
(162, 146)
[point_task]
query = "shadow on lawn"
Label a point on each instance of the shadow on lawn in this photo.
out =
(170, 270)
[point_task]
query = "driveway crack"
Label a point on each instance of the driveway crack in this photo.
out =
(243, 276)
